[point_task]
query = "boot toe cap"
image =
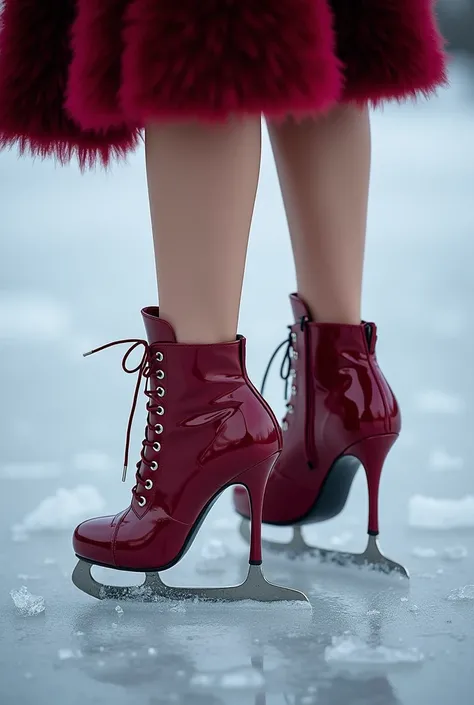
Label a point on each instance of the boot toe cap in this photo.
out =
(94, 538)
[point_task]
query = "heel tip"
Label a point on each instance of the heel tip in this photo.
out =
(373, 533)
(255, 562)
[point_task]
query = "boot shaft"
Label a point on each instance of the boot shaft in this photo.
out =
(338, 392)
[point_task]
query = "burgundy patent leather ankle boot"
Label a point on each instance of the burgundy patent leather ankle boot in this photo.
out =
(207, 429)
(341, 413)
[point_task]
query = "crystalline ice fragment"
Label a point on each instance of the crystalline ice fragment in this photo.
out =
(27, 604)
(462, 593)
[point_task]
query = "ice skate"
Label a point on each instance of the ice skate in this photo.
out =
(207, 429)
(341, 414)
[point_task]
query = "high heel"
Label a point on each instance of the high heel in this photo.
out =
(341, 413)
(207, 429)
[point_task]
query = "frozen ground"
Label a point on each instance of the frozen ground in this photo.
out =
(75, 268)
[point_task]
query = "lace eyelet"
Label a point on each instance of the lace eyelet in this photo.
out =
(295, 355)
(294, 337)
(284, 426)
(141, 501)
(293, 390)
(160, 391)
(160, 374)
(291, 409)
(292, 373)
(158, 428)
(157, 447)
(148, 485)
(154, 466)
(159, 356)
(160, 411)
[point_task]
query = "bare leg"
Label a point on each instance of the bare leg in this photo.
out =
(202, 183)
(324, 170)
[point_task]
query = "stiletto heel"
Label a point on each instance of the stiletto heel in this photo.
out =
(341, 413)
(255, 481)
(372, 453)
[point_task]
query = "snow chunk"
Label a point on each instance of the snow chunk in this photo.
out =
(441, 460)
(455, 553)
(242, 678)
(435, 402)
(27, 604)
(424, 552)
(343, 539)
(226, 523)
(214, 557)
(352, 650)
(119, 610)
(61, 511)
(430, 513)
(29, 471)
(152, 651)
(67, 654)
(461, 594)
(92, 462)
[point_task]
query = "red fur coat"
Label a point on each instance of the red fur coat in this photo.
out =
(82, 77)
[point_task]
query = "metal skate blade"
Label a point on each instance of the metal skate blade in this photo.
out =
(255, 588)
(372, 557)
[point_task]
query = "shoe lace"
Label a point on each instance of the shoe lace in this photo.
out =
(285, 367)
(144, 369)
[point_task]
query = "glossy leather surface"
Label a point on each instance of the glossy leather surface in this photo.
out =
(340, 398)
(215, 426)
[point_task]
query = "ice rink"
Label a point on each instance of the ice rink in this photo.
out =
(76, 266)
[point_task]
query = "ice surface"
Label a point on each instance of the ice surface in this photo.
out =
(29, 471)
(441, 460)
(237, 679)
(27, 604)
(352, 650)
(461, 594)
(436, 402)
(92, 462)
(61, 511)
(431, 513)
(32, 317)
(420, 552)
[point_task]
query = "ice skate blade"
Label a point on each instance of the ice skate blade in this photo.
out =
(371, 558)
(255, 588)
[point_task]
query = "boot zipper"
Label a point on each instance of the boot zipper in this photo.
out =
(369, 333)
(309, 397)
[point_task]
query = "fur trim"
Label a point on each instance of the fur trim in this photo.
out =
(95, 73)
(391, 49)
(209, 59)
(34, 62)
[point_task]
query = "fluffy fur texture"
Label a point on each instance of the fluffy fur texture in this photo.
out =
(95, 73)
(215, 57)
(34, 62)
(79, 77)
(391, 49)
